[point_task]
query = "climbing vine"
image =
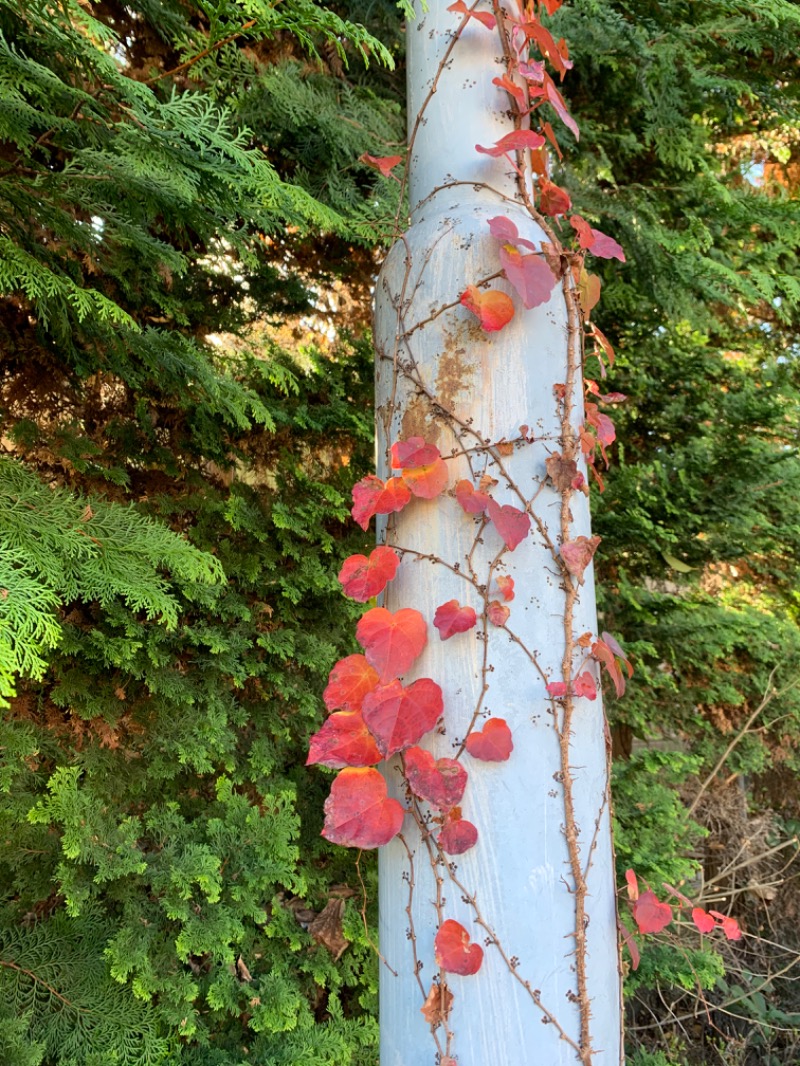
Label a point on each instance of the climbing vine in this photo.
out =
(436, 455)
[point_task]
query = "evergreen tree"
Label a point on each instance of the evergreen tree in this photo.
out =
(173, 488)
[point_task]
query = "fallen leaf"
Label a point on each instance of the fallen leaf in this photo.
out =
(326, 928)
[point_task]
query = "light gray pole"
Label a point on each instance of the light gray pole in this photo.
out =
(441, 377)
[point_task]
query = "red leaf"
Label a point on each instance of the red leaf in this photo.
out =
(413, 452)
(529, 274)
(343, 740)
(633, 885)
(547, 46)
(553, 200)
(584, 685)
(398, 717)
(506, 586)
(630, 944)
(493, 743)
(504, 230)
(557, 689)
(453, 950)
(371, 496)
(452, 618)
(440, 782)
(427, 481)
(650, 915)
(703, 920)
(594, 241)
(472, 501)
(533, 71)
(497, 613)
(730, 927)
(349, 682)
(511, 523)
(608, 652)
(493, 309)
(578, 553)
(555, 98)
(457, 837)
(384, 164)
(512, 142)
(515, 91)
(358, 812)
(392, 642)
(362, 578)
(484, 17)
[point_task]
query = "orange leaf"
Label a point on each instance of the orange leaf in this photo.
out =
(515, 141)
(497, 613)
(413, 452)
(703, 920)
(358, 812)
(553, 200)
(493, 308)
(384, 164)
(349, 682)
(427, 481)
(472, 501)
(506, 586)
(484, 17)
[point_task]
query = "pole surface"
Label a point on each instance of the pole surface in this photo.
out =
(442, 378)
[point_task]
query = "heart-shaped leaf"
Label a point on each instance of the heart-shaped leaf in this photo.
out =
(452, 618)
(358, 812)
(392, 642)
(453, 950)
(398, 717)
(493, 309)
(349, 682)
(650, 914)
(530, 275)
(362, 578)
(372, 496)
(493, 743)
(457, 837)
(440, 782)
(511, 523)
(427, 481)
(472, 501)
(343, 740)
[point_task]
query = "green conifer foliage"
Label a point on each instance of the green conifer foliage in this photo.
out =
(173, 487)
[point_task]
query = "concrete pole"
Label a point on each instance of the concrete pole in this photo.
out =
(442, 378)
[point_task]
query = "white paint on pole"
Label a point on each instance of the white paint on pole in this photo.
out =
(493, 384)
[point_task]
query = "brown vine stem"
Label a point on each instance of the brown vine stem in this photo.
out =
(471, 899)
(412, 936)
(363, 912)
